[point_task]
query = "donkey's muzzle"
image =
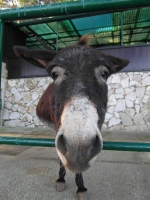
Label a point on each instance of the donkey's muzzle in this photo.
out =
(78, 156)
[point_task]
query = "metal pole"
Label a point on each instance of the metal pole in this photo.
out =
(57, 37)
(121, 31)
(54, 19)
(28, 141)
(76, 7)
(1, 54)
(117, 146)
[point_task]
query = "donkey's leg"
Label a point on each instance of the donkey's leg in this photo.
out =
(60, 183)
(82, 191)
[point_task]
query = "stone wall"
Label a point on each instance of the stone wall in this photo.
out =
(128, 105)
(129, 101)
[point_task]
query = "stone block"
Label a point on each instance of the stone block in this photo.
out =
(145, 75)
(30, 84)
(137, 78)
(115, 78)
(27, 118)
(125, 83)
(118, 96)
(119, 91)
(42, 82)
(137, 108)
(140, 92)
(116, 115)
(7, 105)
(115, 85)
(12, 83)
(5, 114)
(112, 100)
(144, 111)
(22, 109)
(130, 112)
(26, 96)
(129, 103)
(110, 92)
(138, 119)
(35, 96)
(134, 84)
(126, 120)
(131, 96)
(14, 115)
(146, 81)
(138, 100)
(113, 121)
(12, 123)
(108, 116)
(14, 90)
(15, 107)
(120, 105)
(15, 98)
(128, 90)
(145, 99)
(111, 109)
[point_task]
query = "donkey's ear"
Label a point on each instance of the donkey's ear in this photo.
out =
(118, 63)
(39, 58)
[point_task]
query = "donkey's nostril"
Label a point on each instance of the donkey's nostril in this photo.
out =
(96, 147)
(61, 144)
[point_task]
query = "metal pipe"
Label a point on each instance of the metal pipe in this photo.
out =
(1, 54)
(55, 19)
(27, 141)
(121, 31)
(57, 37)
(127, 146)
(75, 7)
(117, 146)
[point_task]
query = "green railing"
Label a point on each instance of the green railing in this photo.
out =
(75, 7)
(117, 146)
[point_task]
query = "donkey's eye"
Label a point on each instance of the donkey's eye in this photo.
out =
(54, 75)
(58, 74)
(104, 74)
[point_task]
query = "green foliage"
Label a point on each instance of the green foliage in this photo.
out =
(21, 3)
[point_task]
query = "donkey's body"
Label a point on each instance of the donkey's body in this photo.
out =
(75, 102)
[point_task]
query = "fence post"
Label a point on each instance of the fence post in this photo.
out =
(1, 55)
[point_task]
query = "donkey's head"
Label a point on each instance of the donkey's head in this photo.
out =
(76, 101)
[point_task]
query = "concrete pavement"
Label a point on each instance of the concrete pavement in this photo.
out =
(29, 173)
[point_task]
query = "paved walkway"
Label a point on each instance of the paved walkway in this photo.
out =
(29, 173)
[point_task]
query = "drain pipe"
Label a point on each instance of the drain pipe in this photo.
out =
(1, 54)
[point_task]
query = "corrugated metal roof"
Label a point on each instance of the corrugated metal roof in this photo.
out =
(105, 30)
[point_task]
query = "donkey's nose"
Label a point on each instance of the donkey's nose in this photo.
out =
(61, 144)
(96, 147)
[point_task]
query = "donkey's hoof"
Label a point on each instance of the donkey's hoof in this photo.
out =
(82, 196)
(60, 186)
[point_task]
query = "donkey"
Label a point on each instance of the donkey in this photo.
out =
(75, 102)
